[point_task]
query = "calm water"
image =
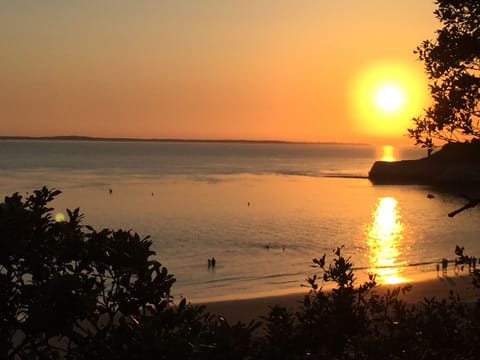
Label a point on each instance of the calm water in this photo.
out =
(262, 210)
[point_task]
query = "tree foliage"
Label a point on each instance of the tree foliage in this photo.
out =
(452, 62)
(361, 322)
(69, 291)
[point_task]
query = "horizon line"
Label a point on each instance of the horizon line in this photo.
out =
(191, 140)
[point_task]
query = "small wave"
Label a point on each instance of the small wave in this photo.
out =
(295, 281)
(296, 173)
(217, 176)
(206, 178)
(322, 173)
(400, 266)
(225, 280)
(273, 276)
(346, 176)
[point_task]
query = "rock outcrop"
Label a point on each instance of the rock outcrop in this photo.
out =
(455, 164)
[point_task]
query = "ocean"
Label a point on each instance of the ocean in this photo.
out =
(263, 210)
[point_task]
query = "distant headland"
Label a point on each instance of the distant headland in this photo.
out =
(455, 164)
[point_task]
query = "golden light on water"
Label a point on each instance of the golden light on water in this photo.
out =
(384, 238)
(388, 153)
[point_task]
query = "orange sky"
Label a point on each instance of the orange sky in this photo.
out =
(266, 69)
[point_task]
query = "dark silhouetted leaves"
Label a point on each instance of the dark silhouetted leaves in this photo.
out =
(452, 62)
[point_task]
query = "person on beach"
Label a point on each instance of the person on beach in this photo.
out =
(444, 266)
(213, 262)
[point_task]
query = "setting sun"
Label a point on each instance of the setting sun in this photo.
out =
(385, 96)
(389, 97)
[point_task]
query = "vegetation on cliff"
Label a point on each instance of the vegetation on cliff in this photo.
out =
(452, 61)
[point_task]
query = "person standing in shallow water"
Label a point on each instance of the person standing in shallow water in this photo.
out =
(444, 266)
(211, 263)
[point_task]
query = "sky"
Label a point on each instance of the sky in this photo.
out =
(296, 70)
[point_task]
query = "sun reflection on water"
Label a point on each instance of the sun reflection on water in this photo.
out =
(388, 153)
(384, 238)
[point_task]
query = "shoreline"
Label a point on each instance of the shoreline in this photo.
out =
(407, 274)
(244, 309)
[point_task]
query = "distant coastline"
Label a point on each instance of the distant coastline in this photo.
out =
(179, 140)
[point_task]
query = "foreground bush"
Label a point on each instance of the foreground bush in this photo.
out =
(359, 322)
(69, 291)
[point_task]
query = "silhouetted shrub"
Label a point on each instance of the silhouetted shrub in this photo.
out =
(359, 322)
(67, 290)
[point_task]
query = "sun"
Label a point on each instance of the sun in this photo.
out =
(385, 96)
(389, 97)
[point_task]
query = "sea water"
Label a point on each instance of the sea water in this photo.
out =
(263, 210)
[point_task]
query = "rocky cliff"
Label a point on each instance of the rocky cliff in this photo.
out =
(455, 164)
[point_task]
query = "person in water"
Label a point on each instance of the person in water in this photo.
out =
(444, 266)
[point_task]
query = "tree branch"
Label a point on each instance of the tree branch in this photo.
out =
(471, 203)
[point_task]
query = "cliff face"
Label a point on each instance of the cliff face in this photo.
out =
(454, 164)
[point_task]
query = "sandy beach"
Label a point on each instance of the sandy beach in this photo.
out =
(244, 310)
